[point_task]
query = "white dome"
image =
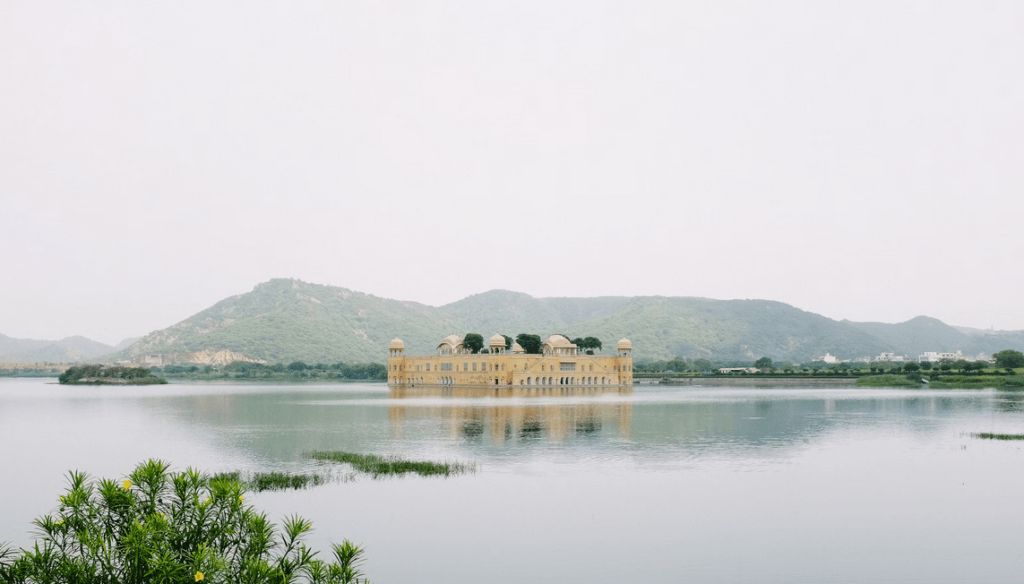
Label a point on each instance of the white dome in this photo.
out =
(558, 341)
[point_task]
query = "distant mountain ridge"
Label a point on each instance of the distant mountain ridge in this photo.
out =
(68, 350)
(283, 320)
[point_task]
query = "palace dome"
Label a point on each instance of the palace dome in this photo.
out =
(497, 340)
(517, 348)
(453, 344)
(397, 344)
(625, 345)
(453, 340)
(558, 341)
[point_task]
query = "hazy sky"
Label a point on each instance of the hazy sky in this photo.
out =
(859, 159)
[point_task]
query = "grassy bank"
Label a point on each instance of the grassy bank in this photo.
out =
(946, 381)
(378, 466)
(887, 381)
(1008, 382)
(974, 382)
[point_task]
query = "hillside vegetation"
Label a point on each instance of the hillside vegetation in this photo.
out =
(281, 321)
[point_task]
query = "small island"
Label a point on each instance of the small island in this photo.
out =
(109, 375)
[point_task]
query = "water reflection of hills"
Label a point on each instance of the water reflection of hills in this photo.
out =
(681, 422)
(510, 421)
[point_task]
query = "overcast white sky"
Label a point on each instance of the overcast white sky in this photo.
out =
(859, 159)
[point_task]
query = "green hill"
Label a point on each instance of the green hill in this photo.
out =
(917, 335)
(287, 320)
(924, 333)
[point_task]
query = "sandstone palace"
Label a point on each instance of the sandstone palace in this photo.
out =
(560, 363)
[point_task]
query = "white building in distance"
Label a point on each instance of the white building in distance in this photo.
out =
(935, 357)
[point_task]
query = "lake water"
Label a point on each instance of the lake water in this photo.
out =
(653, 485)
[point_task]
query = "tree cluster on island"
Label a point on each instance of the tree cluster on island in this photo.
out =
(108, 375)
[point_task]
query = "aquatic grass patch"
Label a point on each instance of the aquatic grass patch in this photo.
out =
(279, 481)
(378, 466)
(991, 436)
(274, 481)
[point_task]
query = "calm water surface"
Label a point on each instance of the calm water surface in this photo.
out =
(657, 485)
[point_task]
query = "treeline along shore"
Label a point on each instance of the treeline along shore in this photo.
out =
(294, 371)
(759, 381)
(1004, 373)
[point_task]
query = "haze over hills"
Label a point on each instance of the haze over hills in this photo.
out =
(68, 350)
(285, 320)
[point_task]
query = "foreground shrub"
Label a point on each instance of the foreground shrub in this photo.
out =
(164, 527)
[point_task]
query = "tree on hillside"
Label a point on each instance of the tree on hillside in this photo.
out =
(911, 367)
(678, 364)
(703, 365)
(473, 342)
(297, 366)
(763, 363)
(1009, 358)
(530, 343)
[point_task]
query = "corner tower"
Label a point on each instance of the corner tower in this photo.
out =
(397, 348)
(625, 348)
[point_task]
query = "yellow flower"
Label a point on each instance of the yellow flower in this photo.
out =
(60, 521)
(127, 484)
(241, 498)
(199, 576)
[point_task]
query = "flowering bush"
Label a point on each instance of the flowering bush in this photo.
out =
(163, 527)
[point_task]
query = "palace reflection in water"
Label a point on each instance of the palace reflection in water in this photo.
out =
(510, 420)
